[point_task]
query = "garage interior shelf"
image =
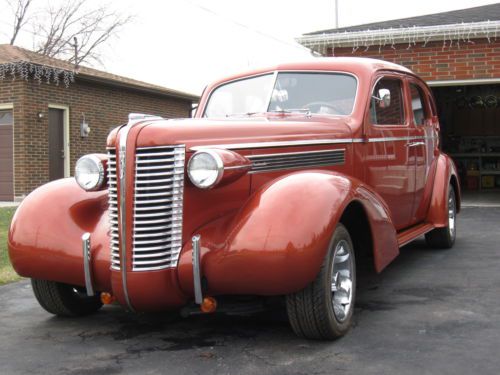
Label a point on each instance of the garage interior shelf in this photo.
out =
(481, 165)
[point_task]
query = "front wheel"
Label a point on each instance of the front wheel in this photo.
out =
(63, 299)
(324, 309)
(444, 238)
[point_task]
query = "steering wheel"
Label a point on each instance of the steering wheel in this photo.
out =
(319, 104)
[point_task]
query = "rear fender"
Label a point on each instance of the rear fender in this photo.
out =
(446, 174)
(277, 242)
(45, 234)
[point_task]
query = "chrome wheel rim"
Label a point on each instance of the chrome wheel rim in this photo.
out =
(342, 280)
(451, 215)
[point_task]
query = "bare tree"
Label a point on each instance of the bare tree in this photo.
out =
(70, 30)
(20, 10)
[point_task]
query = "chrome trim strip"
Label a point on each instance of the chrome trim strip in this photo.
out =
(309, 166)
(251, 157)
(313, 142)
(122, 214)
(198, 295)
(86, 264)
(133, 119)
(234, 167)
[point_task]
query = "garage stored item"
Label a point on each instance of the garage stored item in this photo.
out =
(487, 182)
(473, 172)
(472, 182)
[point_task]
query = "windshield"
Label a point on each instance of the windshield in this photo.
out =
(321, 93)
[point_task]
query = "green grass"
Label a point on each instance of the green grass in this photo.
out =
(7, 274)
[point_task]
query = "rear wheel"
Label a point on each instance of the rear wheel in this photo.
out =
(63, 299)
(324, 309)
(444, 238)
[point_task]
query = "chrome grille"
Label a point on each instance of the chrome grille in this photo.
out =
(292, 160)
(158, 194)
(113, 209)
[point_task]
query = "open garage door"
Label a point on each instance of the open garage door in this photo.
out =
(6, 156)
(470, 127)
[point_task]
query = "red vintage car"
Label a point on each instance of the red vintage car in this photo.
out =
(281, 180)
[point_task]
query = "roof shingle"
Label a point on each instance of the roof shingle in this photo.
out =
(13, 54)
(476, 14)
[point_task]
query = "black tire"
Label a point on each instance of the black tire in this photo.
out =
(444, 238)
(63, 299)
(310, 311)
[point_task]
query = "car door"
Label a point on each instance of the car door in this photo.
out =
(421, 145)
(389, 169)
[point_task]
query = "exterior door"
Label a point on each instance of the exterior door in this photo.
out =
(6, 156)
(389, 167)
(56, 143)
(421, 147)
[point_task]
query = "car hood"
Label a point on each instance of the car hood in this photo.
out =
(196, 132)
(199, 132)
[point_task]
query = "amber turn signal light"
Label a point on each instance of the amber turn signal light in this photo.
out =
(107, 298)
(209, 305)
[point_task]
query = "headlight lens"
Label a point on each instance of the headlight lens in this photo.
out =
(89, 172)
(205, 169)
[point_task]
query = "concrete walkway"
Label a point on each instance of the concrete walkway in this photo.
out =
(9, 204)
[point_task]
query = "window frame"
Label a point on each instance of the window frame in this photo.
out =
(275, 73)
(378, 78)
(424, 96)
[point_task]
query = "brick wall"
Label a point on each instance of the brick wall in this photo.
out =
(104, 107)
(479, 59)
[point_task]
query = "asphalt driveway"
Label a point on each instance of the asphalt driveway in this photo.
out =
(430, 312)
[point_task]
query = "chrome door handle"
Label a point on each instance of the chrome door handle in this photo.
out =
(414, 144)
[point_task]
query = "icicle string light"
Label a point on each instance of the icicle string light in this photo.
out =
(40, 73)
(449, 35)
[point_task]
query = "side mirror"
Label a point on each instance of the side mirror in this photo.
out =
(384, 98)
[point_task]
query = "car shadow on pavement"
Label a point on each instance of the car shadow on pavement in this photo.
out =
(171, 332)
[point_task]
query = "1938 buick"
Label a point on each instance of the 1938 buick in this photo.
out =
(283, 177)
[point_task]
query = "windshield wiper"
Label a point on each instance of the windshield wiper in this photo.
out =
(244, 114)
(306, 111)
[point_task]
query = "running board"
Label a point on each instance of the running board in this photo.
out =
(412, 233)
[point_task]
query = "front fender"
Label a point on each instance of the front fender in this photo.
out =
(438, 208)
(277, 242)
(45, 234)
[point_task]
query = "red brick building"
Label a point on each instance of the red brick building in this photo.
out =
(458, 54)
(46, 106)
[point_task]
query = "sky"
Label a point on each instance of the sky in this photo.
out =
(186, 44)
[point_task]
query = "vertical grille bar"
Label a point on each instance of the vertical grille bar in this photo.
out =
(113, 209)
(158, 207)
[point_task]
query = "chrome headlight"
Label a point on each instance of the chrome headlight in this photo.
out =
(89, 172)
(205, 169)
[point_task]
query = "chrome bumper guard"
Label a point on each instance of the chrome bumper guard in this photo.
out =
(198, 294)
(86, 264)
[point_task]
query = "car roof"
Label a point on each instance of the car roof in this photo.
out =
(356, 65)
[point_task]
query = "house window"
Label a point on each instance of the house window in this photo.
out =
(6, 117)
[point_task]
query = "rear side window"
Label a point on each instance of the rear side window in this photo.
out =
(418, 105)
(386, 105)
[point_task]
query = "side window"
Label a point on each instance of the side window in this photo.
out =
(418, 105)
(386, 106)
